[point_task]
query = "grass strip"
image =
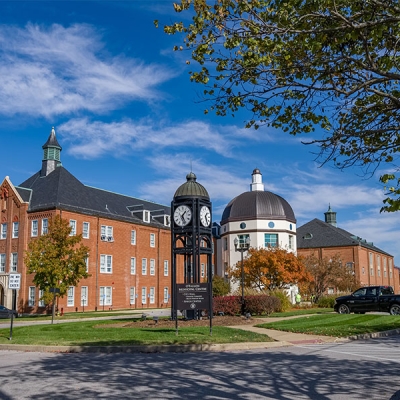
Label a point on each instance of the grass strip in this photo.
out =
(96, 333)
(338, 325)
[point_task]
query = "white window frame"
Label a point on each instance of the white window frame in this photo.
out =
(13, 262)
(106, 264)
(70, 296)
(166, 267)
(45, 226)
(152, 240)
(72, 224)
(152, 294)
(84, 296)
(152, 266)
(3, 231)
(290, 242)
(132, 295)
(15, 230)
(31, 296)
(2, 262)
(144, 266)
(270, 243)
(166, 295)
(87, 263)
(203, 270)
(106, 233)
(85, 230)
(105, 296)
(133, 265)
(41, 301)
(144, 295)
(34, 228)
(133, 237)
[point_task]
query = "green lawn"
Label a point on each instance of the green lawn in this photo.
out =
(339, 325)
(302, 311)
(97, 333)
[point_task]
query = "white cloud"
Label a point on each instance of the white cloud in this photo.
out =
(59, 70)
(91, 139)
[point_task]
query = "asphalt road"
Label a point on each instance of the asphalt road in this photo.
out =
(352, 370)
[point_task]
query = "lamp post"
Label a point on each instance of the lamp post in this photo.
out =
(242, 247)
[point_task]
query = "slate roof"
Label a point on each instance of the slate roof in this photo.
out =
(318, 234)
(258, 205)
(61, 190)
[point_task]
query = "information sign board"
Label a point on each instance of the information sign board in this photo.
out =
(191, 296)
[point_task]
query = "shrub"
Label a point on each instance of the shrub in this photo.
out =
(326, 302)
(261, 304)
(229, 305)
(220, 286)
(284, 298)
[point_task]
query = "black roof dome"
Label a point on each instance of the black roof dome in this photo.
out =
(258, 205)
(191, 188)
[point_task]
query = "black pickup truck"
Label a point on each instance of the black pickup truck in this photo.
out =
(369, 298)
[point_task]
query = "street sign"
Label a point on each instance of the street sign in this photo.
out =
(14, 281)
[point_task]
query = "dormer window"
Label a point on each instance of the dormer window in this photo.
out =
(146, 216)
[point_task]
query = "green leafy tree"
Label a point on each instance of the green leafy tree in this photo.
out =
(327, 273)
(270, 269)
(220, 286)
(57, 259)
(301, 66)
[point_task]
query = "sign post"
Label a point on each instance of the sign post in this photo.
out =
(14, 283)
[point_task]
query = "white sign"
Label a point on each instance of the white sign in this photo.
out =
(14, 281)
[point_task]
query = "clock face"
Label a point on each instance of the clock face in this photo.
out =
(182, 215)
(205, 216)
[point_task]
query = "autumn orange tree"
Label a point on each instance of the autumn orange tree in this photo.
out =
(270, 268)
(328, 272)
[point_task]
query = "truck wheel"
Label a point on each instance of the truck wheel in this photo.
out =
(343, 309)
(395, 309)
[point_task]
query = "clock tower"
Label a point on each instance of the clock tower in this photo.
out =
(191, 247)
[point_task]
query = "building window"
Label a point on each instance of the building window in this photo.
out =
(72, 224)
(363, 270)
(203, 268)
(133, 266)
(371, 260)
(166, 295)
(3, 231)
(15, 230)
(105, 263)
(14, 262)
(85, 230)
(225, 243)
(31, 296)
(146, 216)
(132, 296)
(105, 295)
(70, 296)
(371, 271)
(106, 233)
(166, 268)
(84, 296)
(133, 237)
(2, 263)
(271, 240)
(152, 295)
(45, 226)
(242, 240)
(144, 295)
(144, 266)
(290, 241)
(41, 300)
(152, 266)
(152, 240)
(87, 263)
(34, 231)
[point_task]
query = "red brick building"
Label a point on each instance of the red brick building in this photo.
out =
(371, 265)
(129, 240)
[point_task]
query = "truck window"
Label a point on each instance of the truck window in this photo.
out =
(386, 290)
(371, 292)
(360, 292)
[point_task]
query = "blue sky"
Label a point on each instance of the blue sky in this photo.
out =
(130, 121)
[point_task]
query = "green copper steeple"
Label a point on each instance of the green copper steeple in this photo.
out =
(51, 154)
